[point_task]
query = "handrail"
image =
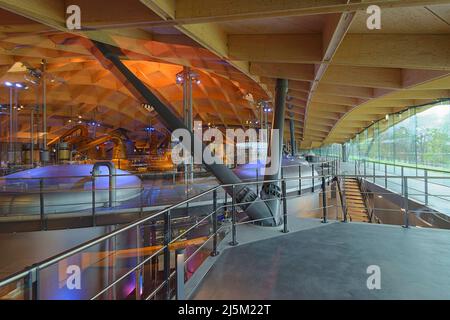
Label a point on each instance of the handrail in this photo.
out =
(342, 197)
(166, 213)
(91, 243)
(363, 190)
(404, 166)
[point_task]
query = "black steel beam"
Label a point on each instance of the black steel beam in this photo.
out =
(257, 210)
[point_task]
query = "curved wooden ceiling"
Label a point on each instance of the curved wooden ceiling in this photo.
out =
(342, 76)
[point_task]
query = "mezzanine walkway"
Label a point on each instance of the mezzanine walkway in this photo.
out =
(330, 261)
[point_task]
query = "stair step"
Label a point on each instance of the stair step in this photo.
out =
(354, 197)
(360, 206)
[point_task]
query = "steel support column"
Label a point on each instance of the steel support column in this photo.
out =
(272, 190)
(45, 157)
(11, 148)
(188, 120)
(257, 210)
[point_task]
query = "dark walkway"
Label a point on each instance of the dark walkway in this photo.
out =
(330, 262)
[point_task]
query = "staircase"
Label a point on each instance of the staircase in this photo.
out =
(356, 209)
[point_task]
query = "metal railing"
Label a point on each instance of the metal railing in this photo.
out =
(422, 184)
(31, 285)
(159, 268)
(91, 196)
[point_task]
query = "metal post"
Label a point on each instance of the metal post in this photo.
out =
(93, 198)
(233, 219)
(42, 204)
(44, 153)
(373, 172)
(385, 176)
(426, 187)
(405, 197)
(324, 201)
(141, 211)
(312, 179)
(300, 180)
(344, 206)
(167, 239)
(276, 149)
(365, 172)
(285, 213)
(257, 179)
(138, 260)
(403, 186)
(214, 217)
(180, 254)
(32, 137)
(32, 281)
(11, 150)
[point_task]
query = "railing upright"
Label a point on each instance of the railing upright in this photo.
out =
(180, 265)
(93, 199)
(167, 239)
(299, 180)
(42, 204)
(406, 202)
(233, 218)
(214, 217)
(285, 212)
(324, 201)
(138, 261)
(385, 176)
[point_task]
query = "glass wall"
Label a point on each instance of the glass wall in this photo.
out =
(418, 137)
(329, 151)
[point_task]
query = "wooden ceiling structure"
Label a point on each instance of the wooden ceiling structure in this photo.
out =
(342, 76)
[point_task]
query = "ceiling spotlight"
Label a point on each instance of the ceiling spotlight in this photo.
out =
(79, 117)
(8, 84)
(19, 85)
(181, 76)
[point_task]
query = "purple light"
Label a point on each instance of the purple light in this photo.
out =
(19, 85)
(8, 84)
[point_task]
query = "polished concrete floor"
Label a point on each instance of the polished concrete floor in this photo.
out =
(331, 261)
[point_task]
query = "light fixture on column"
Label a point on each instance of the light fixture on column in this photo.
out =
(182, 76)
